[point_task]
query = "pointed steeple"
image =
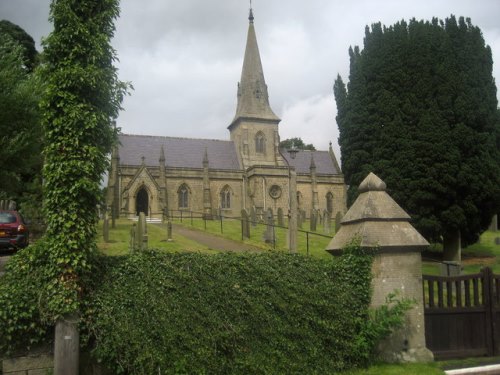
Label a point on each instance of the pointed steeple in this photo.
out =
(253, 99)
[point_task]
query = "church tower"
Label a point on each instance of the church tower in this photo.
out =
(254, 129)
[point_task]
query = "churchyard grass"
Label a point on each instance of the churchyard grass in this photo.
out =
(484, 253)
(120, 236)
(399, 369)
(231, 228)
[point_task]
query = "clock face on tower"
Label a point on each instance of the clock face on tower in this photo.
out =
(275, 191)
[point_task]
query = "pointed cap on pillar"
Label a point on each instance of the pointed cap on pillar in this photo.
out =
(377, 221)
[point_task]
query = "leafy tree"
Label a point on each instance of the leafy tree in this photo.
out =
(23, 39)
(80, 102)
(420, 110)
(20, 129)
(298, 143)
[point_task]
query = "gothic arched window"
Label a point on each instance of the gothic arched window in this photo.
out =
(329, 202)
(225, 197)
(183, 196)
(260, 143)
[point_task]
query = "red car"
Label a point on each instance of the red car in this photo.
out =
(14, 233)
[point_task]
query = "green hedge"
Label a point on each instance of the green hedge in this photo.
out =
(185, 313)
(231, 314)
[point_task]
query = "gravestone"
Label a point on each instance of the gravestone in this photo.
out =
(269, 233)
(105, 227)
(245, 224)
(338, 221)
(313, 221)
(281, 221)
(326, 222)
(253, 216)
(113, 216)
(142, 232)
(494, 223)
(132, 245)
(169, 231)
(300, 220)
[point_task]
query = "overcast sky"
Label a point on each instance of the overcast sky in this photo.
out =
(184, 57)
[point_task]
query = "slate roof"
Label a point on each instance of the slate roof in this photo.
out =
(179, 152)
(302, 162)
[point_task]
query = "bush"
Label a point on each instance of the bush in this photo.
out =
(234, 314)
(23, 297)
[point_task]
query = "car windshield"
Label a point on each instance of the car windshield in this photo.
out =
(7, 218)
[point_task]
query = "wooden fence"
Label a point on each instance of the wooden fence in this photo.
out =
(462, 315)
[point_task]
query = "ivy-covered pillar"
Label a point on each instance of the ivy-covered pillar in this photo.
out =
(384, 228)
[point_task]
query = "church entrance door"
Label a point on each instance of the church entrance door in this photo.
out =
(142, 202)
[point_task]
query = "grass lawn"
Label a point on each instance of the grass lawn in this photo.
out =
(484, 253)
(119, 240)
(307, 243)
(400, 369)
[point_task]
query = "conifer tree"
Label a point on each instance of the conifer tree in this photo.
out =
(420, 111)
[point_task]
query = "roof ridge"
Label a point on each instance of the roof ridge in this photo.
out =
(169, 137)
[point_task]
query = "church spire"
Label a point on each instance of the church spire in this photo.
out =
(253, 99)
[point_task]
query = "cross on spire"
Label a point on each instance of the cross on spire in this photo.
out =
(250, 17)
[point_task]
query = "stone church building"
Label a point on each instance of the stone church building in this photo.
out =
(160, 174)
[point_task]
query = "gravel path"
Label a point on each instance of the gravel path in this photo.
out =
(211, 241)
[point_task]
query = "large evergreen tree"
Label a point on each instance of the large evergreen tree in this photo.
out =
(420, 111)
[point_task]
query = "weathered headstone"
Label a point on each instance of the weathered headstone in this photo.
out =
(313, 221)
(269, 233)
(494, 223)
(326, 222)
(113, 216)
(300, 219)
(132, 246)
(245, 224)
(253, 216)
(105, 227)
(281, 221)
(142, 232)
(338, 221)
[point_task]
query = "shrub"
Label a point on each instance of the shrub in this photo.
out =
(24, 291)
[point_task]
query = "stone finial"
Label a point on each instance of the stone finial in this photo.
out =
(372, 183)
(162, 154)
(313, 164)
(205, 158)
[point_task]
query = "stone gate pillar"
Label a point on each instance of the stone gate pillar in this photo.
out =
(384, 227)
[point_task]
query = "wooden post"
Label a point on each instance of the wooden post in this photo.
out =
(67, 346)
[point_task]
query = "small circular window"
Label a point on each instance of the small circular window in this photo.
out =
(275, 192)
